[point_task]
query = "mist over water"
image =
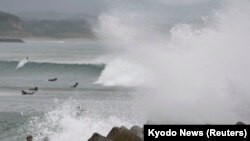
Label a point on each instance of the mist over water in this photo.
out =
(157, 61)
(57, 110)
(189, 72)
(68, 122)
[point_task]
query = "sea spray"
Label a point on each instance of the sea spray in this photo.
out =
(70, 120)
(127, 72)
(200, 75)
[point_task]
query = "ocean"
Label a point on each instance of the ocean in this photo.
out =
(155, 61)
(57, 108)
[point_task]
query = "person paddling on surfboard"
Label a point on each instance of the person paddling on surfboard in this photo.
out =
(22, 63)
(26, 93)
(54, 79)
(34, 89)
(74, 86)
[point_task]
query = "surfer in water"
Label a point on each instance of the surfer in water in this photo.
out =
(74, 86)
(22, 63)
(26, 93)
(53, 79)
(34, 89)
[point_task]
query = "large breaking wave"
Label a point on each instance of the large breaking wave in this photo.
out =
(194, 72)
(197, 71)
(47, 67)
(37, 73)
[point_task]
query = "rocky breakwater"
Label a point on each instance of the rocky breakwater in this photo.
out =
(120, 134)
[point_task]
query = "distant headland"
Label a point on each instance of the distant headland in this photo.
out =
(12, 26)
(11, 40)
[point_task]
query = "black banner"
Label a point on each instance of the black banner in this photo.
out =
(196, 132)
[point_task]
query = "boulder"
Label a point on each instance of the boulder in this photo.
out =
(122, 134)
(98, 137)
(240, 123)
(137, 131)
(29, 138)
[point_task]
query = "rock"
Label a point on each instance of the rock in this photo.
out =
(122, 134)
(240, 123)
(137, 131)
(29, 138)
(98, 137)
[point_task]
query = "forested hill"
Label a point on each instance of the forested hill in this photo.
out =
(9, 22)
(13, 26)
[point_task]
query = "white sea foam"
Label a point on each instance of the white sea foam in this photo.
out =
(70, 121)
(199, 74)
(190, 74)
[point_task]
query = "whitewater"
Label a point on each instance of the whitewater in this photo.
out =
(156, 61)
(196, 72)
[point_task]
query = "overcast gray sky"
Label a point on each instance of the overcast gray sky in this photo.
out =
(70, 6)
(65, 6)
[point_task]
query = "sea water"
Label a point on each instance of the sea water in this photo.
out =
(56, 110)
(155, 61)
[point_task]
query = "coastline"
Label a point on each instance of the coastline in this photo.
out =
(135, 133)
(11, 40)
(57, 40)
